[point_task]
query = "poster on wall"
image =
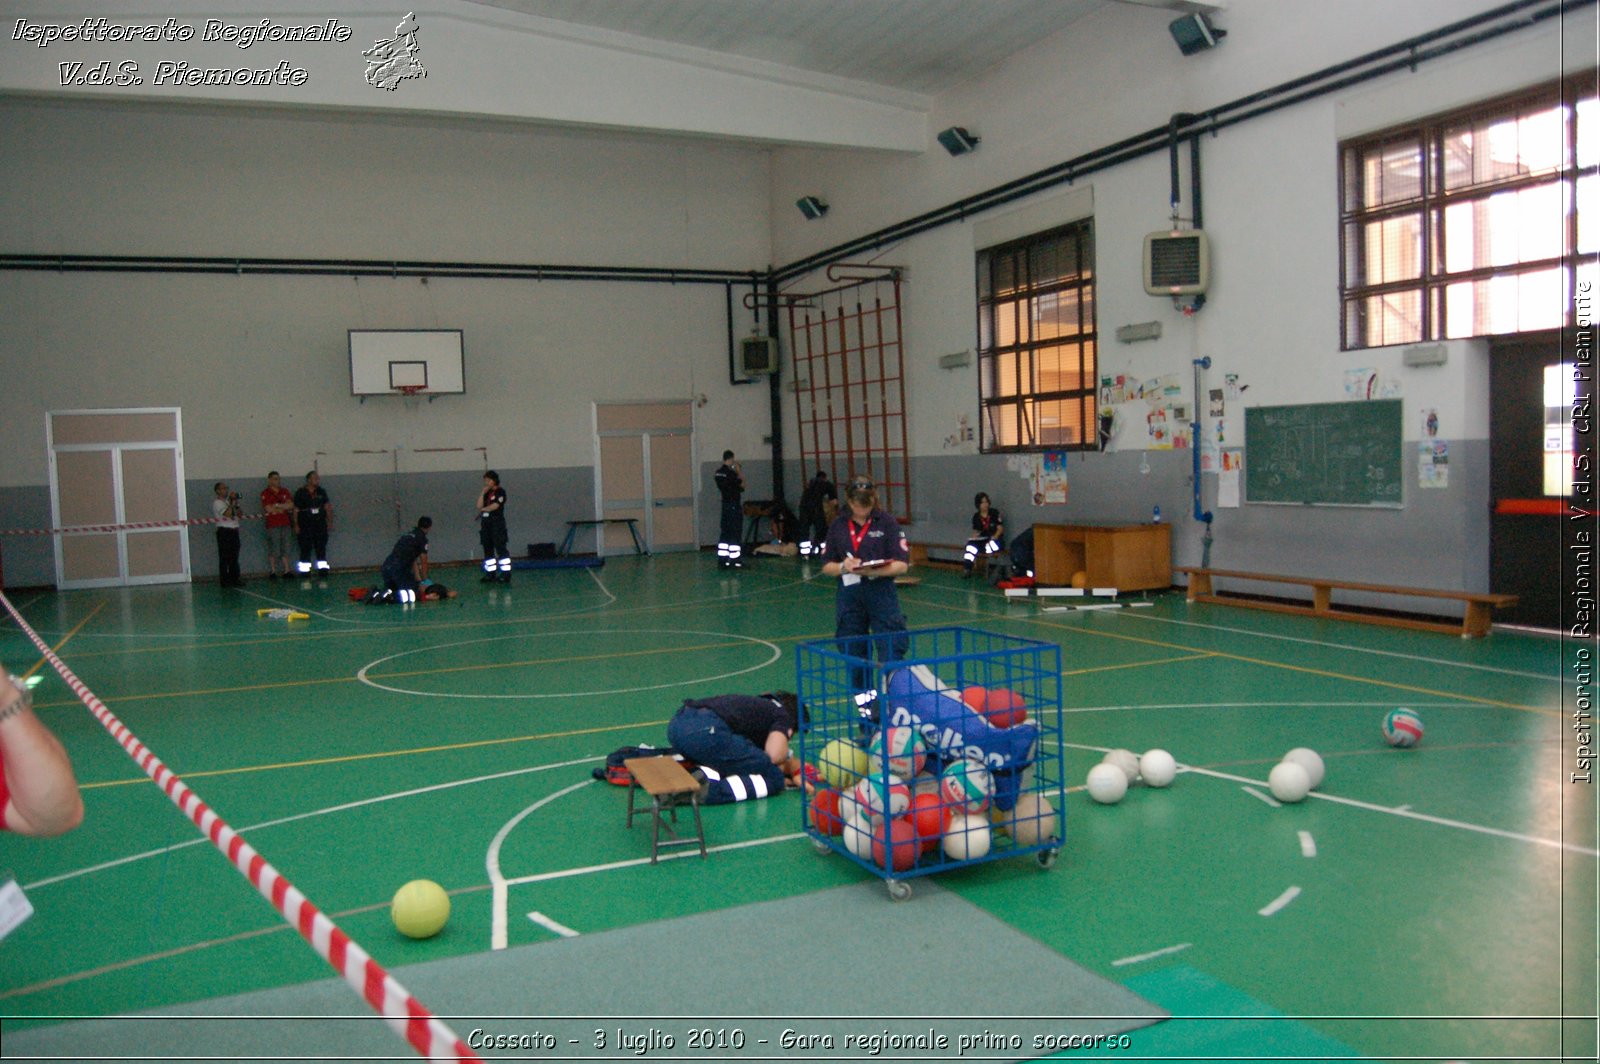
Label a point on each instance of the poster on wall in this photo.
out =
(1361, 383)
(1430, 423)
(1158, 426)
(1228, 480)
(1051, 486)
(1433, 464)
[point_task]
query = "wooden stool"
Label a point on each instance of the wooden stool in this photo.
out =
(667, 783)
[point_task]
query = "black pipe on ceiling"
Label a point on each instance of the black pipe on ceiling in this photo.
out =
(1406, 54)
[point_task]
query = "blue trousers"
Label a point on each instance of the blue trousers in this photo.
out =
(744, 768)
(870, 608)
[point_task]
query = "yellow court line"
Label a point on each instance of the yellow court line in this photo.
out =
(75, 630)
(384, 753)
(1139, 664)
(1412, 688)
(323, 680)
(389, 630)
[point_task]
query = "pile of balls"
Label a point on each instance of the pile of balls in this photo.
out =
(1297, 775)
(890, 808)
(1121, 769)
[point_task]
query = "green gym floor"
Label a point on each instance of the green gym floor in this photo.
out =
(1436, 903)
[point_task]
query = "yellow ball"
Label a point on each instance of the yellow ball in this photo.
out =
(420, 908)
(842, 763)
(1080, 579)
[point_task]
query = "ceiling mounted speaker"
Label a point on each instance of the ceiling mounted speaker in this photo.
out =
(958, 141)
(1195, 33)
(812, 207)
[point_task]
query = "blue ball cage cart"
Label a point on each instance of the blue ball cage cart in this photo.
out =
(930, 680)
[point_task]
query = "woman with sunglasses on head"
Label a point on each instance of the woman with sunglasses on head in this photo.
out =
(866, 550)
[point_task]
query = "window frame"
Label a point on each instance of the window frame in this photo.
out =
(1025, 403)
(1434, 199)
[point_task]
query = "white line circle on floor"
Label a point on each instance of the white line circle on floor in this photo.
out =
(776, 654)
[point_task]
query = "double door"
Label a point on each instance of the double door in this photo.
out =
(645, 470)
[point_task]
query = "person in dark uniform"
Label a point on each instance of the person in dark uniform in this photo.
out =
(407, 564)
(739, 742)
(866, 550)
(492, 530)
(312, 512)
(730, 483)
(814, 513)
(988, 533)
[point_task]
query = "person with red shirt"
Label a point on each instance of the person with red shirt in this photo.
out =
(277, 504)
(38, 791)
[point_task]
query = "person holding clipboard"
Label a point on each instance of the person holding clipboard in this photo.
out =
(866, 550)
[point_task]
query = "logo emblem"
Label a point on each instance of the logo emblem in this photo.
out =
(392, 61)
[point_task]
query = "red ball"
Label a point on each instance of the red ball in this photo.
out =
(976, 698)
(900, 850)
(1005, 709)
(825, 812)
(927, 816)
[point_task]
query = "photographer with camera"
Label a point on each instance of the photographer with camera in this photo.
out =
(225, 507)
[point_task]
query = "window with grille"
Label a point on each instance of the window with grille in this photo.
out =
(1473, 223)
(1036, 342)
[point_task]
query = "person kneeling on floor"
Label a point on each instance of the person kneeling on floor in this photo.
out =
(740, 743)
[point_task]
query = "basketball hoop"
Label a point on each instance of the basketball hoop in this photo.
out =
(410, 391)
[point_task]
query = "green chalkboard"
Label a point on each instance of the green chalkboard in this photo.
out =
(1337, 454)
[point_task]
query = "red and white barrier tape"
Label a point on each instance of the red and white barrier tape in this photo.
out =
(405, 1014)
(129, 527)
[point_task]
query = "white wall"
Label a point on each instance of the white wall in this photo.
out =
(259, 364)
(1270, 201)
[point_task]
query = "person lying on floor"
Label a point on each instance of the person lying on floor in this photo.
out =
(740, 743)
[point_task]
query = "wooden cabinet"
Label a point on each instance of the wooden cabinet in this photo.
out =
(1126, 557)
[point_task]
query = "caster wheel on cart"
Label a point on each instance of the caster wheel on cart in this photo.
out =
(820, 846)
(1047, 858)
(899, 890)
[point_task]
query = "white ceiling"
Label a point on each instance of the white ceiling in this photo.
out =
(922, 46)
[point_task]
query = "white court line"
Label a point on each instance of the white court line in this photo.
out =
(777, 655)
(603, 590)
(497, 882)
(1308, 845)
(612, 866)
(550, 925)
(1280, 901)
(1272, 705)
(1406, 811)
(1152, 955)
(1358, 649)
(146, 855)
(1252, 792)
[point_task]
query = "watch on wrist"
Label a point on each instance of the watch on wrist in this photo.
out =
(24, 698)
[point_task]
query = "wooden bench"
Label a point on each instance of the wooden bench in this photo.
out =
(668, 784)
(1474, 623)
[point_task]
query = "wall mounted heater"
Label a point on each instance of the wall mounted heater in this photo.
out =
(1177, 263)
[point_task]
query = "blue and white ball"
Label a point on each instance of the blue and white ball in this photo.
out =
(882, 796)
(899, 750)
(1402, 727)
(966, 786)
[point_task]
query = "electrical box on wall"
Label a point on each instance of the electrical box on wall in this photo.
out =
(1177, 263)
(758, 356)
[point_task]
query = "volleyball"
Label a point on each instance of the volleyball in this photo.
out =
(1402, 727)
(881, 796)
(898, 750)
(1309, 760)
(967, 786)
(420, 909)
(967, 838)
(842, 763)
(1032, 821)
